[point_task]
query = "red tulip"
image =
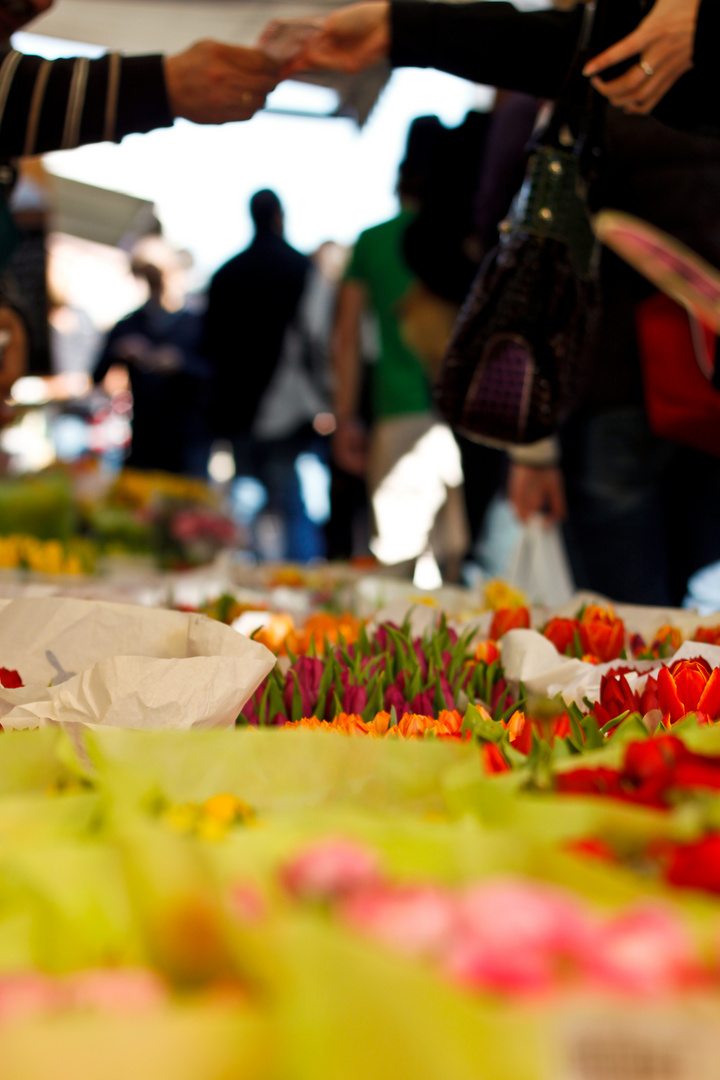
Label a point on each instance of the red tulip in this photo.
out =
(616, 698)
(584, 781)
(564, 634)
(517, 618)
(493, 759)
(696, 865)
(649, 698)
(10, 679)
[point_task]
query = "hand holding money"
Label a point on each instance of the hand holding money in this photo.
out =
(350, 40)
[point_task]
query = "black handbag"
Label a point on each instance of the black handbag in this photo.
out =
(515, 364)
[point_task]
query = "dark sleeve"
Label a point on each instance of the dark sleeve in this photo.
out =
(707, 36)
(491, 43)
(55, 105)
(530, 51)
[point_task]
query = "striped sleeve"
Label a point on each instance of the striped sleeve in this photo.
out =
(56, 105)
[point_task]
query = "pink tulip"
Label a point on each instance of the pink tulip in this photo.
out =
(413, 920)
(329, 869)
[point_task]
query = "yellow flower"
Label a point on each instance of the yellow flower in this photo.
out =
(500, 594)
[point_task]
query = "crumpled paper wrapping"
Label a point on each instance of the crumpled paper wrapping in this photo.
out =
(115, 665)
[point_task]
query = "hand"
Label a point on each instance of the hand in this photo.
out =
(349, 446)
(537, 491)
(664, 41)
(351, 39)
(212, 83)
(13, 351)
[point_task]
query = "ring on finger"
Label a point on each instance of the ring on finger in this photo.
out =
(646, 68)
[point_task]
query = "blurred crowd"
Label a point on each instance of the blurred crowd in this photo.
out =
(312, 375)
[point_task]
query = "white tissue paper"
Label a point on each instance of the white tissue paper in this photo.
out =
(115, 665)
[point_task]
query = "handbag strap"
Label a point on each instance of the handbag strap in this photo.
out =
(572, 125)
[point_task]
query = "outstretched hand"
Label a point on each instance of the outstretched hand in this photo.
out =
(213, 83)
(663, 43)
(351, 39)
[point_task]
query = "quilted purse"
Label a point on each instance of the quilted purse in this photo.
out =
(514, 366)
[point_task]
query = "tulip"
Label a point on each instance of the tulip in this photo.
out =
(306, 674)
(646, 951)
(486, 652)
(649, 700)
(329, 869)
(689, 686)
(696, 865)
(604, 634)
(565, 634)
(585, 781)
(493, 760)
(616, 698)
(416, 920)
(517, 618)
(423, 703)
(355, 699)
(708, 634)
(395, 699)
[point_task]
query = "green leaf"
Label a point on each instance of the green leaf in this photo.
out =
(613, 723)
(326, 679)
(593, 738)
(577, 733)
(262, 711)
(415, 686)
(364, 641)
(486, 730)
(276, 705)
(577, 646)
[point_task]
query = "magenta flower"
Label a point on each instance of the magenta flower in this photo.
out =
(307, 674)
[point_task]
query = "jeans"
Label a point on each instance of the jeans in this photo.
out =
(643, 513)
(273, 464)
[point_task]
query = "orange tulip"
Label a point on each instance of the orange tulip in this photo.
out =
(604, 633)
(689, 686)
(486, 652)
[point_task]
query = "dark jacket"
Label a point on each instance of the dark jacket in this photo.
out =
(55, 105)
(169, 407)
(253, 299)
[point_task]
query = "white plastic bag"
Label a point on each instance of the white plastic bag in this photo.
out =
(539, 564)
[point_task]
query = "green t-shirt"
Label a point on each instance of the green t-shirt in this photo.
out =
(398, 381)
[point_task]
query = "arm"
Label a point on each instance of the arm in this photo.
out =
(55, 105)
(494, 43)
(489, 43)
(349, 442)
